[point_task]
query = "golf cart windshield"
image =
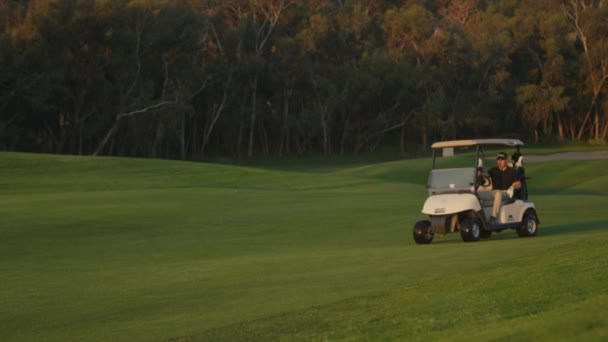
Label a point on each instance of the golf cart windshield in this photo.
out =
(451, 180)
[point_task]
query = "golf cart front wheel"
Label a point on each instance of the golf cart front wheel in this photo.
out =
(529, 226)
(422, 232)
(470, 230)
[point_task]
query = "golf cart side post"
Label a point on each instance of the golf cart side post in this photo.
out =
(464, 204)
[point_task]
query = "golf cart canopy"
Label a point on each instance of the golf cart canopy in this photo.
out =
(475, 142)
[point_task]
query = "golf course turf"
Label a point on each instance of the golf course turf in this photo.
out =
(135, 249)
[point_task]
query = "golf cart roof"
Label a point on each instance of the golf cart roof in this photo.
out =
(475, 142)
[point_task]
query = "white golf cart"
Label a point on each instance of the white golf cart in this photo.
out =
(461, 198)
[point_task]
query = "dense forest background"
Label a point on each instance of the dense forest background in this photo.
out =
(198, 79)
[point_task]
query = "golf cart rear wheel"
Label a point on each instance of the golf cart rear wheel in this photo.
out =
(422, 232)
(470, 230)
(529, 226)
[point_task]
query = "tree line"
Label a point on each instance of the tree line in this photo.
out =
(191, 79)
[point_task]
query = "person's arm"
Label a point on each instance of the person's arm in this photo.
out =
(516, 181)
(516, 184)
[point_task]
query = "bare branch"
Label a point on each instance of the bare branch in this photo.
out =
(218, 110)
(202, 87)
(165, 84)
(272, 15)
(120, 116)
(137, 61)
(147, 109)
(217, 40)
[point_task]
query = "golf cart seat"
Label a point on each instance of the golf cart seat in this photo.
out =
(486, 198)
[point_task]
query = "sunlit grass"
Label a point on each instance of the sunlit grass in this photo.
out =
(128, 249)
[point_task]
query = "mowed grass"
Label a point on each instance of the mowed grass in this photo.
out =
(128, 249)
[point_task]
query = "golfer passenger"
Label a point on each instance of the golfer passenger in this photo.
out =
(504, 181)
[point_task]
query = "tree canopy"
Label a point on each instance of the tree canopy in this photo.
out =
(193, 79)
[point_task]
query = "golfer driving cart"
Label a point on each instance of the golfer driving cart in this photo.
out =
(477, 200)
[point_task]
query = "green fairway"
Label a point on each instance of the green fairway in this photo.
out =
(134, 249)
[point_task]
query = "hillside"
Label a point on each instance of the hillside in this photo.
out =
(133, 249)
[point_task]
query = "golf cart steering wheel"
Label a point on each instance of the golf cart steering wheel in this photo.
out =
(484, 180)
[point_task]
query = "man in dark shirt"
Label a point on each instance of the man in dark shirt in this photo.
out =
(504, 181)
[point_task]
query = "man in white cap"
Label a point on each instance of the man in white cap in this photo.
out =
(504, 181)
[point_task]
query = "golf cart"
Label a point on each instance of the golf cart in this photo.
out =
(461, 198)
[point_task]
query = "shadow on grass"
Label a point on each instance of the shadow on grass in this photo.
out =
(581, 227)
(504, 235)
(571, 228)
(568, 192)
(511, 234)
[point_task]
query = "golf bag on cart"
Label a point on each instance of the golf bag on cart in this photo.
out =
(518, 165)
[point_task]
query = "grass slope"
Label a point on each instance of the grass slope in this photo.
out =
(127, 249)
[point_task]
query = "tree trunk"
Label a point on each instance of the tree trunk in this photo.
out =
(298, 145)
(194, 153)
(560, 127)
(344, 135)
(107, 137)
(284, 140)
(183, 137)
(112, 149)
(239, 141)
(324, 128)
(402, 140)
(572, 130)
(597, 127)
(264, 139)
(377, 143)
(253, 114)
(80, 127)
(216, 115)
(157, 134)
(425, 137)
